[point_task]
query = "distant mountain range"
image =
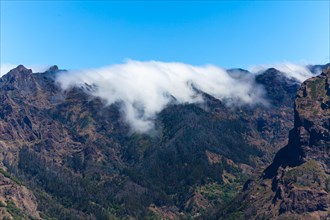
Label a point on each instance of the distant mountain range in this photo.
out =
(66, 155)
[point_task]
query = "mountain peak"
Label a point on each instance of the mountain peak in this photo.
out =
(272, 69)
(326, 71)
(21, 69)
(279, 88)
(53, 68)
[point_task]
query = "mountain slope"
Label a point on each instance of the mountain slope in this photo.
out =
(297, 184)
(80, 160)
(16, 201)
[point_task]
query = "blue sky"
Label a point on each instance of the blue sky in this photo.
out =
(83, 34)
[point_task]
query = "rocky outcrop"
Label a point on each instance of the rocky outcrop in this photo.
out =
(310, 137)
(302, 168)
(280, 89)
(297, 184)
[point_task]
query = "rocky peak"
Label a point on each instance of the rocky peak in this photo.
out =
(272, 75)
(21, 70)
(16, 77)
(26, 82)
(53, 68)
(280, 89)
(17, 72)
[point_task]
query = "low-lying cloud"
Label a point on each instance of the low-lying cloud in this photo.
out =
(291, 70)
(145, 88)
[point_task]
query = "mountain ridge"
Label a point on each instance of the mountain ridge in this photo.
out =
(199, 159)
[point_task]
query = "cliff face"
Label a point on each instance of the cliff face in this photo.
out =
(297, 183)
(312, 118)
(304, 187)
(310, 137)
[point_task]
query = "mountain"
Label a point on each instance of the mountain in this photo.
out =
(317, 69)
(297, 183)
(76, 158)
(280, 89)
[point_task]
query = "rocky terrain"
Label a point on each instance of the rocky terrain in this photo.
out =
(64, 154)
(16, 201)
(297, 183)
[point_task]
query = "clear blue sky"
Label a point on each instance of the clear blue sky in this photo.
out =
(80, 34)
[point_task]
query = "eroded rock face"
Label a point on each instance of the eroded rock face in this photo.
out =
(310, 137)
(312, 116)
(297, 183)
(301, 169)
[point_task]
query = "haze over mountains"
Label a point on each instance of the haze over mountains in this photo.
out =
(147, 139)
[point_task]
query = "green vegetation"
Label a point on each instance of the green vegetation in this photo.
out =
(327, 184)
(50, 208)
(220, 194)
(160, 169)
(309, 174)
(317, 88)
(84, 122)
(238, 215)
(8, 175)
(230, 211)
(14, 211)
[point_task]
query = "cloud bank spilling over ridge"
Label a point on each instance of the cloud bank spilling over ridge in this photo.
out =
(291, 70)
(146, 88)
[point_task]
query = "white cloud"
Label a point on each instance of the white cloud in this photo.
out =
(291, 70)
(146, 88)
